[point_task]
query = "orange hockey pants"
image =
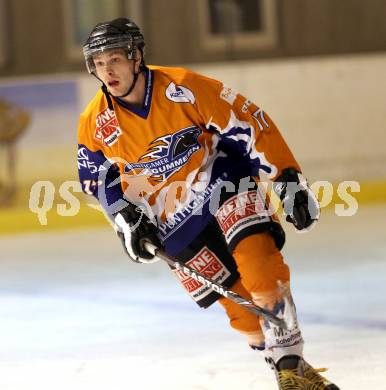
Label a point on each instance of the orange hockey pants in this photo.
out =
(261, 266)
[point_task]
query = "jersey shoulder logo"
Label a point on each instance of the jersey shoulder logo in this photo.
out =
(167, 154)
(179, 94)
(107, 128)
(84, 161)
(228, 94)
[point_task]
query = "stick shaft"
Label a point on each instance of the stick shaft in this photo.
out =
(220, 289)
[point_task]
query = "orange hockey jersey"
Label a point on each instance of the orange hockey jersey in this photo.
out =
(192, 136)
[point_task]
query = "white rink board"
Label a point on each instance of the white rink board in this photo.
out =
(75, 314)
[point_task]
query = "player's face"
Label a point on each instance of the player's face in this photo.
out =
(115, 70)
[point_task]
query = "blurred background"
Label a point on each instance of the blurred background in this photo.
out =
(317, 67)
(71, 306)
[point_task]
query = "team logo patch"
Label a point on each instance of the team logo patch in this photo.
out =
(240, 211)
(107, 128)
(209, 265)
(167, 154)
(179, 94)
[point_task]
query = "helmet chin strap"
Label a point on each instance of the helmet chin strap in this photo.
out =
(135, 78)
(108, 94)
(108, 97)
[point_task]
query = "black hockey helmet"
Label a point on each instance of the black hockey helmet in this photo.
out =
(118, 33)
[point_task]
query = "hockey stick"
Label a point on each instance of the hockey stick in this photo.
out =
(249, 305)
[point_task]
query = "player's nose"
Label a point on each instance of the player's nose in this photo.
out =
(109, 70)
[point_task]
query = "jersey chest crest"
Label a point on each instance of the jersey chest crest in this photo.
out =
(167, 154)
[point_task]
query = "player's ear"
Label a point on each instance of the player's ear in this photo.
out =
(138, 60)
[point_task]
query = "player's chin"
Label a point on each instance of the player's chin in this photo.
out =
(115, 91)
(114, 87)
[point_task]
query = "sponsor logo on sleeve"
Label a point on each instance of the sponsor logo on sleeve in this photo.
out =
(209, 265)
(246, 105)
(228, 94)
(84, 162)
(107, 128)
(179, 94)
(241, 211)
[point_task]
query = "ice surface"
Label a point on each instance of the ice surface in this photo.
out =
(75, 314)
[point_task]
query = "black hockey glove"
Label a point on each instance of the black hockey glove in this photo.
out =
(299, 202)
(134, 228)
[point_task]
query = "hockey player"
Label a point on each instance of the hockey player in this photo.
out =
(175, 158)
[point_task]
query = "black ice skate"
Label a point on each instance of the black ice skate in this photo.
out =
(317, 381)
(294, 373)
(289, 373)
